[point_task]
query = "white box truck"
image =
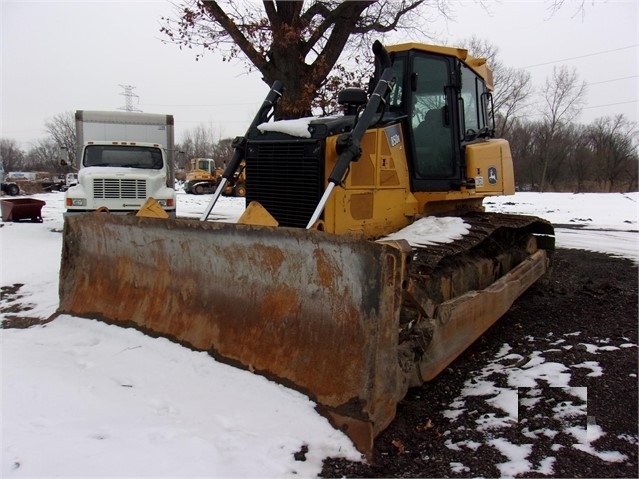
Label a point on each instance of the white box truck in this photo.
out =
(123, 158)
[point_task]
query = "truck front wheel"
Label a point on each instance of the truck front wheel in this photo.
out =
(12, 189)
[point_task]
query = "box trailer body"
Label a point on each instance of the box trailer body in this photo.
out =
(123, 159)
(21, 175)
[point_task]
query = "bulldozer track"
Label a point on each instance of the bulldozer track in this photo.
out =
(485, 228)
(439, 275)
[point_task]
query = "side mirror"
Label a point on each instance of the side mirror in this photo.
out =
(64, 156)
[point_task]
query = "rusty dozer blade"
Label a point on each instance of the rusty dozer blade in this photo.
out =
(314, 311)
(311, 310)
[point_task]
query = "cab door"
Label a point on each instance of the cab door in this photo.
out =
(432, 118)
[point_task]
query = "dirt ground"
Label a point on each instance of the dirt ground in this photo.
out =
(588, 293)
(591, 294)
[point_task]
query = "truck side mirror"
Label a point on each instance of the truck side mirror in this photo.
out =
(64, 156)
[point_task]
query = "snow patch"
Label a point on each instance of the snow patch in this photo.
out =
(431, 230)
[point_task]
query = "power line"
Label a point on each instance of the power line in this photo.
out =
(611, 104)
(203, 105)
(582, 56)
(614, 79)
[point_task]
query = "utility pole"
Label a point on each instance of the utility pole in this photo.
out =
(128, 95)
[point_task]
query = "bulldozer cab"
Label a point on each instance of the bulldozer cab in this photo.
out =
(206, 165)
(446, 104)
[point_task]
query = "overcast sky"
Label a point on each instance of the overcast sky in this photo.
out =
(66, 56)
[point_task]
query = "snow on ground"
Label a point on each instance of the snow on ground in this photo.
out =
(605, 223)
(528, 409)
(82, 398)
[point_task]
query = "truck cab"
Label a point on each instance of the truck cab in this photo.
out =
(123, 159)
(71, 179)
(8, 187)
(120, 177)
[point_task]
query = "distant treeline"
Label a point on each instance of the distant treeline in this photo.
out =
(600, 157)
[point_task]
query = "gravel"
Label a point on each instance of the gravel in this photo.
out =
(582, 320)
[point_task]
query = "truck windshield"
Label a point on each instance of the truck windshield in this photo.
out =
(144, 157)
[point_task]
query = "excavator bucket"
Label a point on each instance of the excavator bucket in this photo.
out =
(315, 311)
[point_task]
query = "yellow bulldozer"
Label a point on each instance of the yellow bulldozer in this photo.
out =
(204, 177)
(315, 287)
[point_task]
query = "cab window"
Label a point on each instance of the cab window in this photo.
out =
(432, 131)
(472, 96)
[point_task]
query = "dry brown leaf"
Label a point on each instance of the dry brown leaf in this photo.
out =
(422, 427)
(399, 445)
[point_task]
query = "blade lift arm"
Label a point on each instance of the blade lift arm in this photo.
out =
(263, 115)
(349, 147)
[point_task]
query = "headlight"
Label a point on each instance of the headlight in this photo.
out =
(76, 202)
(162, 203)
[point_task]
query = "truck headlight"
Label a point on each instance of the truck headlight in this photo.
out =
(162, 203)
(76, 202)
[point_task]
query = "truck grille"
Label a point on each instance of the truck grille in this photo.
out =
(110, 188)
(286, 177)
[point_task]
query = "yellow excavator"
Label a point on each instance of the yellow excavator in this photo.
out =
(315, 287)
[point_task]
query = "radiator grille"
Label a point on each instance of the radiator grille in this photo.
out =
(114, 188)
(286, 177)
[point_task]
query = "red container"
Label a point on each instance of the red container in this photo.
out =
(22, 209)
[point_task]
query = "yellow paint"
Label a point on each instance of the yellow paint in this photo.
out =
(152, 209)
(375, 198)
(256, 214)
(479, 65)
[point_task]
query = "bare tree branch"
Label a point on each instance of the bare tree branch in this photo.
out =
(283, 41)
